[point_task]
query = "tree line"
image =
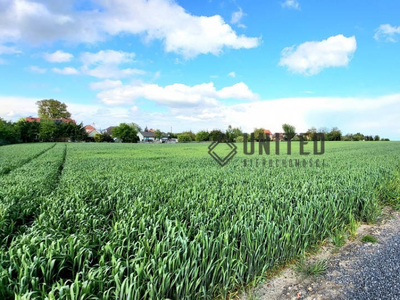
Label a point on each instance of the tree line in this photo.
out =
(55, 125)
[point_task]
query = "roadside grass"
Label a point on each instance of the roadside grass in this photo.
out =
(313, 268)
(369, 239)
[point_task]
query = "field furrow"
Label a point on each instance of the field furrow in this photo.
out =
(15, 156)
(23, 189)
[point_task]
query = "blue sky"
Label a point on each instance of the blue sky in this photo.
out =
(205, 64)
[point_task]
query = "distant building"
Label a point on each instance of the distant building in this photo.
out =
(109, 130)
(268, 133)
(91, 131)
(146, 136)
(281, 136)
(57, 120)
(149, 136)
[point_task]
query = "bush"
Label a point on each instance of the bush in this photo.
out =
(202, 136)
(184, 138)
(98, 138)
(239, 139)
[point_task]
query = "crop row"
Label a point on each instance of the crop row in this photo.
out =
(14, 156)
(145, 222)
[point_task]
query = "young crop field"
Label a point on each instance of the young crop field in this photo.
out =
(165, 221)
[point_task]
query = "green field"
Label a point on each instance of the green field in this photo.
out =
(135, 221)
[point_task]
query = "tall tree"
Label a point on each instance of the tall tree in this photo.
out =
(158, 134)
(127, 133)
(47, 130)
(257, 132)
(52, 109)
(289, 130)
(335, 134)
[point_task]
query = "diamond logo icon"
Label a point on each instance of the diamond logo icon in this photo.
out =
(222, 160)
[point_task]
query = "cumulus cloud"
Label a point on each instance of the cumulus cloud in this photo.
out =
(176, 95)
(38, 70)
(293, 4)
(237, 18)
(387, 32)
(66, 71)
(185, 34)
(104, 64)
(58, 57)
(232, 74)
(310, 58)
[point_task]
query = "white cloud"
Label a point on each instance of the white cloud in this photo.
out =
(105, 85)
(111, 57)
(294, 4)
(185, 34)
(177, 94)
(310, 58)
(237, 17)
(232, 74)
(8, 50)
(104, 64)
(58, 57)
(38, 70)
(109, 71)
(378, 115)
(66, 71)
(387, 32)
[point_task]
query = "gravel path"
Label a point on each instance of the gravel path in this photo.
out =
(375, 274)
(357, 271)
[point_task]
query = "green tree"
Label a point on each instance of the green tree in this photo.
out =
(289, 130)
(217, 135)
(184, 138)
(239, 139)
(257, 132)
(158, 134)
(358, 137)
(311, 133)
(127, 133)
(202, 136)
(28, 132)
(47, 130)
(52, 109)
(8, 134)
(233, 133)
(335, 134)
(107, 138)
(190, 134)
(376, 138)
(98, 138)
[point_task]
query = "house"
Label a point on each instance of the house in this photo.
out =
(268, 133)
(108, 130)
(149, 136)
(91, 131)
(146, 136)
(56, 120)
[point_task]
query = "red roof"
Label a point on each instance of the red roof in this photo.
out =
(89, 128)
(62, 120)
(267, 132)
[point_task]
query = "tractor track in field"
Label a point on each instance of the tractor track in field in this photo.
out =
(27, 161)
(355, 271)
(61, 168)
